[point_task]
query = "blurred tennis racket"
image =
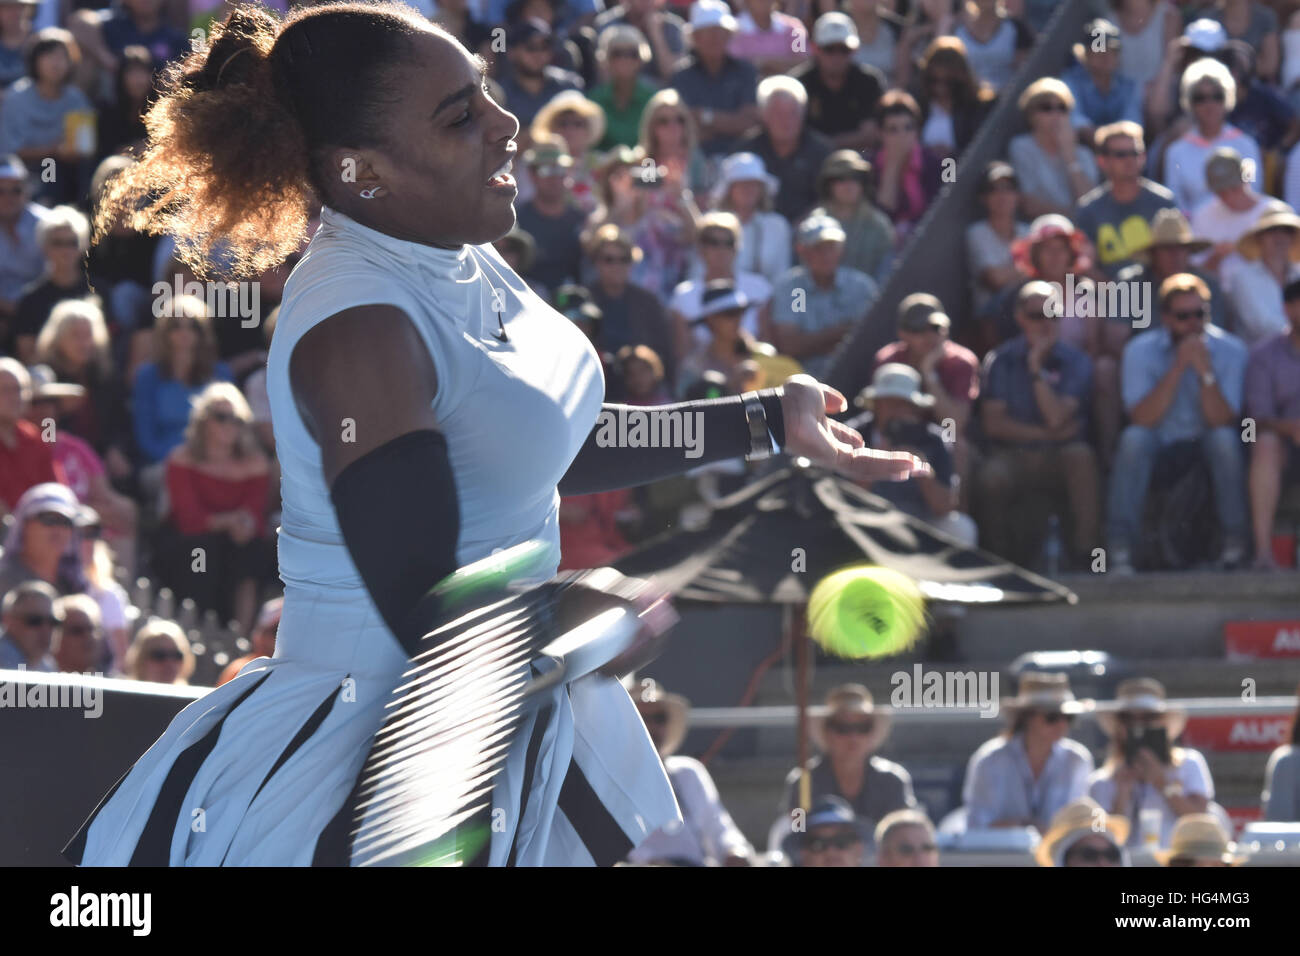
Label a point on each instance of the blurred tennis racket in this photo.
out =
(426, 785)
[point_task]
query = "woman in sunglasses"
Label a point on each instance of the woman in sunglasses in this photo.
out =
(1207, 94)
(217, 483)
(1053, 167)
(1024, 776)
(41, 542)
(160, 653)
(847, 768)
(1084, 834)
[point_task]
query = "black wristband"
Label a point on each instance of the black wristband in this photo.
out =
(771, 399)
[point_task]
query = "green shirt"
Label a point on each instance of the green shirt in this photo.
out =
(622, 125)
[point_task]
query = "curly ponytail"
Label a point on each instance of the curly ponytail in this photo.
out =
(237, 138)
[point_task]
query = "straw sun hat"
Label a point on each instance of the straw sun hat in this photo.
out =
(851, 700)
(1200, 836)
(1075, 821)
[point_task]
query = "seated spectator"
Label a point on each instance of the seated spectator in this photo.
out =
(40, 543)
(820, 301)
(1144, 769)
(1207, 93)
(847, 768)
(1281, 798)
(747, 190)
(1054, 169)
(581, 124)
(81, 468)
(21, 261)
(63, 237)
(954, 103)
(996, 42)
(1269, 253)
(1172, 247)
(262, 639)
(217, 492)
(717, 87)
(1028, 773)
(185, 363)
(1202, 39)
(663, 30)
(631, 314)
(1054, 250)
(1146, 28)
(27, 624)
(727, 346)
(906, 838)
(706, 835)
(78, 645)
(1233, 210)
(832, 836)
(25, 459)
(1182, 386)
(949, 372)
(1116, 216)
(1254, 25)
(1037, 393)
(101, 586)
(718, 236)
(15, 28)
(1084, 834)
(105, 34)
(773, 41)
(120, 125)
(160, 654)
(642, 373)
(1199, 839)
(845, 185)
(46, 117)
(1273, 402)
(909, 175)
(529, 81)
(621, 53)
(928, 20)
(668, 134)
(879, 28)
(895, 420)
(842, 95)
(988, 241)
(74, 343)
(1261, 113)
(1102, 94)
(789, 148)
(551, 217)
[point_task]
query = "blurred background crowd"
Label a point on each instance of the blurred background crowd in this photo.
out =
(716, 194)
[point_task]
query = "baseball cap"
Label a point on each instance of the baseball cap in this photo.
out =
(921, 311)
(48, 496)
(820, 228)
(1206, 35)
(11, 167)
(526, 29)
(835, 28)
(712, 13)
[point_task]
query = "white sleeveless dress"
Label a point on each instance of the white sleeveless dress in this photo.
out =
(252, 772)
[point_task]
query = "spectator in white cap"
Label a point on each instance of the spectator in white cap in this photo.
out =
(63, 237)
(773, 41)
(720, 312)
(1202, 38)
(21, 262)
(717, 87)
(1207, 93)
(717, 237)
(747, 190)
(820, 301)
(842, 94)
(791, 150)
(1235, 207)
(665, 33)
(41, 541)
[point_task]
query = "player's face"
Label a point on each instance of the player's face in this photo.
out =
(447, 141)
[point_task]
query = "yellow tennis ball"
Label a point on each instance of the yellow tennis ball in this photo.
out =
(866, 611)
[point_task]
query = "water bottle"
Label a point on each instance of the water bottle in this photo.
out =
(1052, 546)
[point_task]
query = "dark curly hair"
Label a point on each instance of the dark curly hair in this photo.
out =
(240, 134)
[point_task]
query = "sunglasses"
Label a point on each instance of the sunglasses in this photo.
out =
(1187, 315)
(1090, 854)
(75, 629)
(163, 654)
(614, 260)
(572, 120)
(67, 242)
(40, 620)
(52, 519)
(1055, 106)
(625, 53)
(1123, 153)
(719, 241)
(837, 49)
(912, 849)
(674, 119)
(862, 727)
(1208, 97)
(223, 418)
(840, 841)
(1056, 717)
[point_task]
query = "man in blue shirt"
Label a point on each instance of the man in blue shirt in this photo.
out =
(1036, 394)
(1182, 385)
(1102, 95)
(531, 81)
(720, 90)
(21, 261)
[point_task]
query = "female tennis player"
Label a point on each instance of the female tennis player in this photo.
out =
(428, 410)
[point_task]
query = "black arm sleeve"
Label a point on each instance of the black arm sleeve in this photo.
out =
(400, 518)
(722, 434)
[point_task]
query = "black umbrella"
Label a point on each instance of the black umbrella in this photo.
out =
(771, 541)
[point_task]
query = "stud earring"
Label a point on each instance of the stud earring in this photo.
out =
(369, 193)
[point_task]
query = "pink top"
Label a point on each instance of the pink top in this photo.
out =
(750, 43)
(80, 464)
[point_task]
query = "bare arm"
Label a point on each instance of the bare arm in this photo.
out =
(1000, 426)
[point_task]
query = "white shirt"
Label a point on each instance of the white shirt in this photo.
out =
(706, 834)
(1185, 161)
(1000, 784)
(1255, 297)
(1214, 221)
(1192, 773)
(765, 246)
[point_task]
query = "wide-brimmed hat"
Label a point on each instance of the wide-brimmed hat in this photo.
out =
(1248, 244)
(740, 168)
(1045, 691)
(46, 386)
(570, 101)
(1074, 821)
(895, 380)
(1046, 227)
(851, 700)
(1200, 836)
(721, 295)
(1144, 695)
(649, 694)
(1170, 227)
(922, 311)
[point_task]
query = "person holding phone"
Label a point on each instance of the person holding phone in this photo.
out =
(1146, 771)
